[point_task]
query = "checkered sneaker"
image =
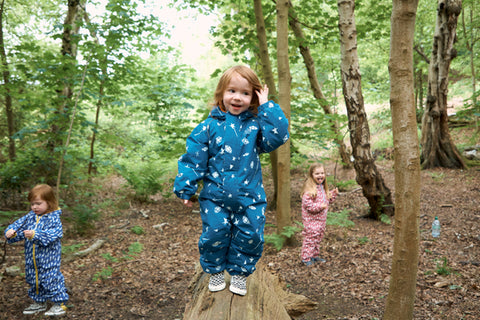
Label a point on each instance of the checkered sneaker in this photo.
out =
(217, 282)
(239, 285)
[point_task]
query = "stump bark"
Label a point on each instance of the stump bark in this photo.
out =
(266, 299)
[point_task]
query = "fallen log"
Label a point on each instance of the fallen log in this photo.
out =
(266, 299)
(85, 252)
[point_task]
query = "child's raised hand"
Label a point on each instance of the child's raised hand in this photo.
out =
(188, 203)
(262, 95)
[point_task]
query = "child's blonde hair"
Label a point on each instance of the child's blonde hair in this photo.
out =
(46, 193)
(310, 186)
(244, 72)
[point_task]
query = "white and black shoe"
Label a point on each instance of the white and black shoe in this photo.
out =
(57, 310)
(35, 307)
(238, 285)
(217, 282)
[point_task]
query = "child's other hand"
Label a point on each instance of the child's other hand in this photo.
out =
(334, 192)
(262, 95)
(29, 234)
(188, 203)
(10, 233)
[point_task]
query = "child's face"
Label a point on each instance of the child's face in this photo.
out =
(39, 206)
(318, 175)
(238, 95)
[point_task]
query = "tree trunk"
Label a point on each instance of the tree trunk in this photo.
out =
(401, 294)
(438, 149)
(369, 178)
(283, 213)
(269, 79)
(265, 299)
(470, 42)
(8, 97)
(69, 51)
(92, 169)
(317, 91)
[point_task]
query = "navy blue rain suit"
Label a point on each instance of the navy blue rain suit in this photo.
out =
(42, 255)
(223, 151)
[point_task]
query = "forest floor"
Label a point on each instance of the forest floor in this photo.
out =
(145, 276)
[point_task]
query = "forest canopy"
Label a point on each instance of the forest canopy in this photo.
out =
(105, 89)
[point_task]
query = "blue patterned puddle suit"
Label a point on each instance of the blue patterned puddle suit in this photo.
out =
(224, 151)
(42, 255)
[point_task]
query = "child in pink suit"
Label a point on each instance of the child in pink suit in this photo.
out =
(315, 201)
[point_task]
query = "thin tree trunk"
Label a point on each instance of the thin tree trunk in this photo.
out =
(269, 79)
(8, 97)
(378, 195)
(317, 91)
(470, 41)
(284, 80)
(91, 167)
(401, 294)
(438, 149)
(69, 51)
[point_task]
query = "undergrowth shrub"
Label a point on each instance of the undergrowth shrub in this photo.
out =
(147, 178)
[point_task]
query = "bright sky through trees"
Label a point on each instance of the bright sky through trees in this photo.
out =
(188, 29)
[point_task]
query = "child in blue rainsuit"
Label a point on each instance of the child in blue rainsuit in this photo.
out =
(42, 230)
(223, 151)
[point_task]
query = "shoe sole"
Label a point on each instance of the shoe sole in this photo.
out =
(55, 315)
(34, 312)
(238, 291)
(217, 288)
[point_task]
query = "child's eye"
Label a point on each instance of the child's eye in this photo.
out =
(246, 93)
(231, 90)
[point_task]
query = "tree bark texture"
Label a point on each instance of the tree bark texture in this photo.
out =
(92, 169)
(283, 213)
(378, 195)
(8, 96)
(315, 85)
(64, 97)
(266, 299)
(470, 42)
(270, 81)
(438, 149)
(401, 294)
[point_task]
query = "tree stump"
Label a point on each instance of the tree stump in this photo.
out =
(266, 299)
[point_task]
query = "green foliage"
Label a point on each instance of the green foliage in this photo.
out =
(345, 185)
(104, 274)
(134, 249)
(138, 230)
(7, 217)
(437, 176)
(364, 240)
(67, 249)
(148, 177)
(278, 240)
(84, 217)
(385, 219)
(443, 269)
(340, 219)
(109, 257)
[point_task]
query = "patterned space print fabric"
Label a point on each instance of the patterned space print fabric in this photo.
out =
(314, 222)
(223, 151)
(42, 255)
